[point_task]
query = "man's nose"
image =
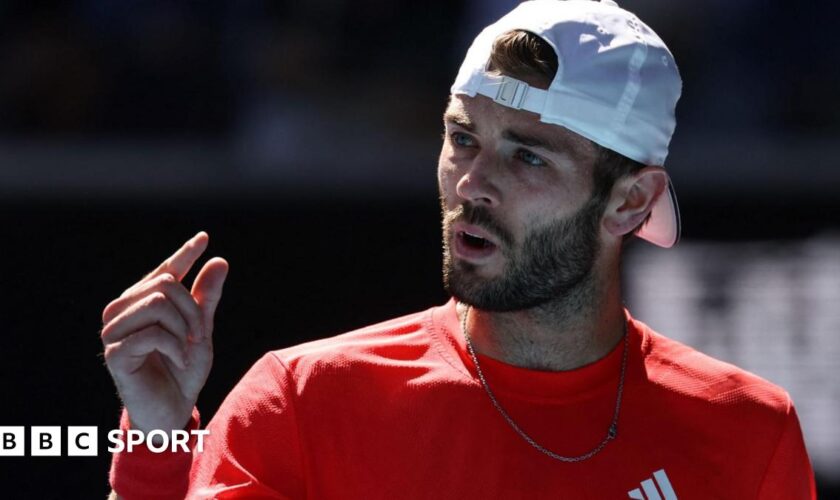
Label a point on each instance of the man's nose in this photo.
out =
(480, 182)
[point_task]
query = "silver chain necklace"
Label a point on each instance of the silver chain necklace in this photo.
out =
(612, 432)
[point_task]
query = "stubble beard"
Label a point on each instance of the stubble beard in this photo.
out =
(552, 268)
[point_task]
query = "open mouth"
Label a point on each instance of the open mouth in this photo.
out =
(473, 241)
(472, 246)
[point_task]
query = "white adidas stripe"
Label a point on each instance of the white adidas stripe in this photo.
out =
(651, 492)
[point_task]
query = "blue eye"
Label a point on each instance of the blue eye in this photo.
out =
(530, 158)
(462, 139)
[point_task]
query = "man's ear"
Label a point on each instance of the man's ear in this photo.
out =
(632, 199)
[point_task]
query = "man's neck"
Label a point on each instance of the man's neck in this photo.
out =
(564, 334)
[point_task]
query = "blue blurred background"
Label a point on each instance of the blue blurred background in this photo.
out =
(303, 137)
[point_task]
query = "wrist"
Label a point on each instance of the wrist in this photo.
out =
(144, 473)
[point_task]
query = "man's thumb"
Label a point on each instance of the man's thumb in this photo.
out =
(207, 290)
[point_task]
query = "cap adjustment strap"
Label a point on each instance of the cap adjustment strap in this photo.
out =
(512, 93)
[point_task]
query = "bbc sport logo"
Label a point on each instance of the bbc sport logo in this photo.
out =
(83, 441)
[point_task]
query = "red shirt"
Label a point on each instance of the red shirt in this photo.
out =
(395, 411)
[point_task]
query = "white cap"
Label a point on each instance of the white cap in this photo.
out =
(617, 85)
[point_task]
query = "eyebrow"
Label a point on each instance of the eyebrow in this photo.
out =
(459, 118)
(532, 141)
(555, 144)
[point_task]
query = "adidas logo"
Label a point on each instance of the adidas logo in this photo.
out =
(656, 488)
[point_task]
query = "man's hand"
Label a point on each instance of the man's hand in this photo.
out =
(158, 338)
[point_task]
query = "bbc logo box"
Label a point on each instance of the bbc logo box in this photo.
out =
(12, 441)
(82, 441)
(46, 441)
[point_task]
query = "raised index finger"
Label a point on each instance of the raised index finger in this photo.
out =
(179, 263)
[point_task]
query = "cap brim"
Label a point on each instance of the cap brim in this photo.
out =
(663, 227)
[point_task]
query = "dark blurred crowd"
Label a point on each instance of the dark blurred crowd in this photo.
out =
(211, 68)
(206, 68)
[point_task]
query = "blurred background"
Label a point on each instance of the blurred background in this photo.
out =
(303, 137)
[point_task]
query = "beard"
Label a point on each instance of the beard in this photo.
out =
(554, 263)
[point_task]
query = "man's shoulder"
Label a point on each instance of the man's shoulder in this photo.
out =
(686, 372)
(401, 337)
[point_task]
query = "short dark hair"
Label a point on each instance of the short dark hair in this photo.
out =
(523, 55)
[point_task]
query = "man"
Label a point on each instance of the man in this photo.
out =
(533, 381)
